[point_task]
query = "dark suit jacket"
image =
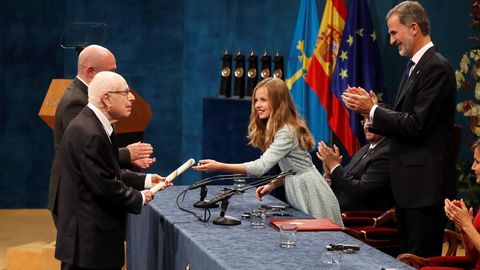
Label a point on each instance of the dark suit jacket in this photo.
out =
(364, 184)
(422, 167)
(72, 102)
(93, 198)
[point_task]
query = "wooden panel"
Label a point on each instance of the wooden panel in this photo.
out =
(137, 122)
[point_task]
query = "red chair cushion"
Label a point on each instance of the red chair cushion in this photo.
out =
(363, 213)
(440, 268)
(358, 221)
(378, 232)
(453, 261)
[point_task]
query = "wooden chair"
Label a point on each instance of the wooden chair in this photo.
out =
(363, 218)
(380, 232)
(453, 239)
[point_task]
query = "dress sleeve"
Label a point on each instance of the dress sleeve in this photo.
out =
(283, 143)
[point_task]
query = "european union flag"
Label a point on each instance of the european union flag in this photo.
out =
(303, 44)
(358, 60)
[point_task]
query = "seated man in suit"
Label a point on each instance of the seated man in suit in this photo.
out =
(95, 194)
(364, 184)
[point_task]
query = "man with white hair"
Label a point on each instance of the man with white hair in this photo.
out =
(92, 60)
(95, 194)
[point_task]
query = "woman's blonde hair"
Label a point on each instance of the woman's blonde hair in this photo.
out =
(282, 111)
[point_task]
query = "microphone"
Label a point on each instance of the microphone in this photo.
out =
(227, 194)
(208, 180)
(202, 203)
(223, 197)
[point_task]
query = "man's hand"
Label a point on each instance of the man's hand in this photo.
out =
(359, 100)
(157, 179)
(148, 196)
(143, 163)
(139, 150)
(330, 157)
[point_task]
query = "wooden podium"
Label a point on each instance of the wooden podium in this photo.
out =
(129, 130)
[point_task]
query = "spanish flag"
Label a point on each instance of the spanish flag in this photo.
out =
(322, 67)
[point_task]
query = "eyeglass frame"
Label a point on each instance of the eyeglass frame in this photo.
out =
(365, 121)
(123, 93)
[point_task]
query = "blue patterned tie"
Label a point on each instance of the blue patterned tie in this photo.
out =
(410, 64)
(405, 76)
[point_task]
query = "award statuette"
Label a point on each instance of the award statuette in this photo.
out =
(225, 80)
(252, 77)
(239, 84)
(278, 66)
(266, 65)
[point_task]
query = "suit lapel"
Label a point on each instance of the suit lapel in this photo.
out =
(112, 140)
(357, 158)
(407, 83)
(80, 85)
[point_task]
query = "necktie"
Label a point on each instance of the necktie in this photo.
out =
(405, 76)
(113, 140)
(406, 73)
(369, 151)
(410, 64)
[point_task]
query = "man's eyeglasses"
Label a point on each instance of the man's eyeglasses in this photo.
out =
(123, 93)
(365, 121)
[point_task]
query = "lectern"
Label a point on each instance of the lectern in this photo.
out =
(129, 129)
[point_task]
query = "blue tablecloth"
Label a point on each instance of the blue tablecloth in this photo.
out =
(164, 237)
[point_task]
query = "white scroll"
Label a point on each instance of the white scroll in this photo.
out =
(173, 175)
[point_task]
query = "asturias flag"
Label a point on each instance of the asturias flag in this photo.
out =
(303, 44)
(358, 64)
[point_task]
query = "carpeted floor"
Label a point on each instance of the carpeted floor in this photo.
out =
(22, 226)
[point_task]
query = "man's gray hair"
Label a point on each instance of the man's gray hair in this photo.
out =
(409, 12)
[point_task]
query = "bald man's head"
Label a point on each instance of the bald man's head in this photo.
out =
(94, 59)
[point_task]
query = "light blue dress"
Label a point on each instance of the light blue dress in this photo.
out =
(307, 190)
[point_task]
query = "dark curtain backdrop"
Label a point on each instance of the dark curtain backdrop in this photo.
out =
(169, 51)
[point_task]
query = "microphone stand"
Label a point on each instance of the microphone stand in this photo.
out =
(229, 220)
(223, 219)
(202, 203)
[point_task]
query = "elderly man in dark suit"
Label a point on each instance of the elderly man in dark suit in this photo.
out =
(92, 59)
(95, 194)
(364, 183)
(420, 124)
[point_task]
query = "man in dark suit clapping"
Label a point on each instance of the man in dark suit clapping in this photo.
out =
(420, 124)
(95, 194)
(364, 183)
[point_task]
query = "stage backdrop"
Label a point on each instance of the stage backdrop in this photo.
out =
(169, 51)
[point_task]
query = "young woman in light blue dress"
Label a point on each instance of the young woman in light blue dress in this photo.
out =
(278, 130)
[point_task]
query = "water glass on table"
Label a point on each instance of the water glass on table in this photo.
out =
(258, 218)
(288, 235)
(239, 182)
(330, 259)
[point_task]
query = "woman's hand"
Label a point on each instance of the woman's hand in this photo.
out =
(207, 165)
(457, 212)
(263, 190)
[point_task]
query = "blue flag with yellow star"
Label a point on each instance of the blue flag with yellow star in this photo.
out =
(303, 44)
(358, 61)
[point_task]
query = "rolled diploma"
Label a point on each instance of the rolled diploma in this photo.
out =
(173, 175)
